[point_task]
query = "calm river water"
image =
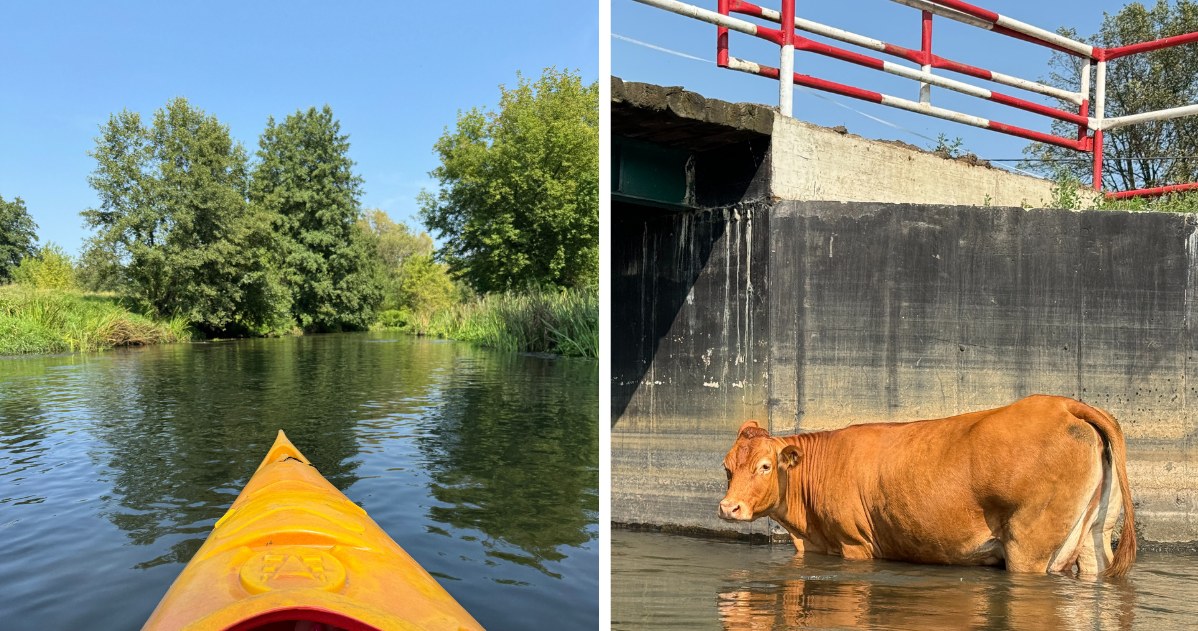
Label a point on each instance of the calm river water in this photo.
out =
(672, 582)
(115, 466)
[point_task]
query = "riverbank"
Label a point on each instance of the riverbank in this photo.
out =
(558, 322)
(61, 321)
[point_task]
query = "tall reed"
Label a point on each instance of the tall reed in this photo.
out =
(564, 322)
(56, 321)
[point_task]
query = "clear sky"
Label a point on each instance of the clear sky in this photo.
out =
(396, 73)
(880, 19)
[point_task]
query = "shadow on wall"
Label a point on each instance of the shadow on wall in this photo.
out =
(657, 255)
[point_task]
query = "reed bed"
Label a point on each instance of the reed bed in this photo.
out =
(562, 322)
(60, 321)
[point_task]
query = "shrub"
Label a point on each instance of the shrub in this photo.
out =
(50, 268)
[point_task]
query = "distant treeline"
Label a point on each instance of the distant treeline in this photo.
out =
(189, 227)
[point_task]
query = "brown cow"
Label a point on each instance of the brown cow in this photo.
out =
(1036, 486)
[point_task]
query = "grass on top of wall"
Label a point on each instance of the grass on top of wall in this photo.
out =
(58, 321)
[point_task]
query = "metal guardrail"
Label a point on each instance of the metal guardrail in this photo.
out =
(1091, 125)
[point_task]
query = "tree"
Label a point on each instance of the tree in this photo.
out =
(518, 202)
(99, 268)
(173, 212)
(1143, 154)
(18, 237)
(409, 276)
(394, 242)
(305, 179)
(50, 268)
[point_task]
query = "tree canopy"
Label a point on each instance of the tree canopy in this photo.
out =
(410, 278)
(18, 236)
(305, 179)
(518, 198)
(173, 215)
(1145, 154)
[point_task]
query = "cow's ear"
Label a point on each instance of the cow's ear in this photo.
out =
(752, 428)
(789, 456)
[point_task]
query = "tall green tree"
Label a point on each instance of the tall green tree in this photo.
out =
(173, 213)
(305, 178)
(18, 236)
(1145, 154)
(518, 202)
(99, 268)
(409, 276)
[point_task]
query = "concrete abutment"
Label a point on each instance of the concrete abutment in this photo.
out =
(812, 279)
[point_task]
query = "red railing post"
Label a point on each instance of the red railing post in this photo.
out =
(721, 37)
(1097, 184)
(925, 89)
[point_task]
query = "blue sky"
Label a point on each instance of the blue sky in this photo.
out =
(395, 73)
(879, 19)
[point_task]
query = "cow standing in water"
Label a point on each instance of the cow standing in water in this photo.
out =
(1035, 486)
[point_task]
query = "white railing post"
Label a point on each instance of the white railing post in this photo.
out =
(786, 62)
(1099, 109)
(1084, 99)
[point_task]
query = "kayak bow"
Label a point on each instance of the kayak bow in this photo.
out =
(293, 550)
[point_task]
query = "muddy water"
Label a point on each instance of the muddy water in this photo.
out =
(673, 582)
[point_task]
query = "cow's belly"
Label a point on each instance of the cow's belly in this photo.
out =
(956, 544)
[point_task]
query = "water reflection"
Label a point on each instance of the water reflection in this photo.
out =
(892, 596)
(32, 388)
(484, 466)
(673, 582)
(515, 455)
(183, 428)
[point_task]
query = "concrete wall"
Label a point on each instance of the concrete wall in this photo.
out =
(690, 354)
(814, 315)
(817, 163)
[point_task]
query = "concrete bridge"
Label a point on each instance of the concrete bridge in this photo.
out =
(766, 268)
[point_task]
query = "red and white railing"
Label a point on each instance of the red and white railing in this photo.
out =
(1090, 126)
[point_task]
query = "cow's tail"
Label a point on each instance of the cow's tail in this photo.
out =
(1108, 427)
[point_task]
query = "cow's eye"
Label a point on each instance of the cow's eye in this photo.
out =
(728, 472)
(765, 467)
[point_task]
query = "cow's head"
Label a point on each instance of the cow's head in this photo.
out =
(756, 467)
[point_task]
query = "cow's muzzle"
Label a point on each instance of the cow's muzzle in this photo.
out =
(733, 510)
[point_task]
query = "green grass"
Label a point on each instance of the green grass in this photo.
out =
(560, 322)
(58, 321)
(1182, 202)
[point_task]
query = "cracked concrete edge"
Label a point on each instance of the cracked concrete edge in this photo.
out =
(686, 104)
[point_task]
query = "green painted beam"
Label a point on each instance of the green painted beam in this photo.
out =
(643, 172)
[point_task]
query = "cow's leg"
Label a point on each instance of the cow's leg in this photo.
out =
(857, 552)
(1047, 533)
(1098, 539)
(1087, 561)
(1043, 538)
(1026, 557)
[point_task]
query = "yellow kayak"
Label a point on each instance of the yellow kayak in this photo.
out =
(294, 553)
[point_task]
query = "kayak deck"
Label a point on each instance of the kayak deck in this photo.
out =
(293, 552)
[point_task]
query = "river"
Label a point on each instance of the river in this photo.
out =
(114, 467)
(674, 582)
